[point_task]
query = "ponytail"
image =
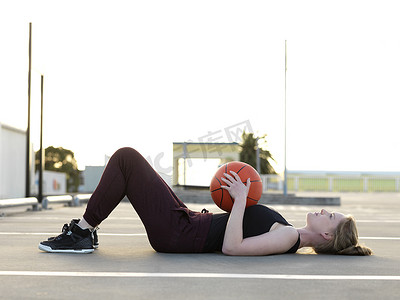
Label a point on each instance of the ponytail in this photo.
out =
(356, 250)
(345, 241)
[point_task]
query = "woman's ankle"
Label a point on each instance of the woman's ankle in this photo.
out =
(85, 225)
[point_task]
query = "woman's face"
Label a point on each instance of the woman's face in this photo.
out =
(324, 221)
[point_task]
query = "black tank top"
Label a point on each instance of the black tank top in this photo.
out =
(257, 220)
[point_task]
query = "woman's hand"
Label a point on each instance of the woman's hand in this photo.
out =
(235, 186)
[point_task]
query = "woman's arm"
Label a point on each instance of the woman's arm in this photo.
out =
(234, 229)
(277, 241)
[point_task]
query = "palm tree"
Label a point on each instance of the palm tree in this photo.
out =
(249, 150)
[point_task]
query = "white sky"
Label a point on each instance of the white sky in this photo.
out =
(145, 74)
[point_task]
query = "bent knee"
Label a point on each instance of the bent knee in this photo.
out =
(126, 151)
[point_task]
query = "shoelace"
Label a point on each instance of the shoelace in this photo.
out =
(64, 231)
(65, 227)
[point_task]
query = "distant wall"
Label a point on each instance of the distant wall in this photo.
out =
(91, 178)
(12, 162)
(54, 183)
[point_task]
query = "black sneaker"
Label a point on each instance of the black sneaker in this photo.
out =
(76, 221)
(73, 240)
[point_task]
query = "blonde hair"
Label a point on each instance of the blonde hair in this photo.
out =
(345, 240)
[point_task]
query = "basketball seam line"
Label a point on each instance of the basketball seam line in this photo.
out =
(252, 199)
(241, 169)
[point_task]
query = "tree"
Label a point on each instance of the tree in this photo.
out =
(61, 160)
(248, 153)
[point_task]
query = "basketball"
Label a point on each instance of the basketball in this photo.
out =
(222, 198)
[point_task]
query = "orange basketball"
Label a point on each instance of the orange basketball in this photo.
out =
(222, 197)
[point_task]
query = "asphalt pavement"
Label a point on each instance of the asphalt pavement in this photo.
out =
(126, 267)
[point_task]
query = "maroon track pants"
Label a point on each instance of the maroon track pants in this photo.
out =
(170, 225)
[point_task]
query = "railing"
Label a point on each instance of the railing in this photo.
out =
(30, 201)
(332, 183)
(75, 200)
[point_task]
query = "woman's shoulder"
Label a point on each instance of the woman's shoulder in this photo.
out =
(285, 229)
(289, 236)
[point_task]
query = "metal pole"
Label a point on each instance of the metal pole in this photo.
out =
(258, 164)
(41, 152)
(184, 163)
(28, 129)
(285, 171)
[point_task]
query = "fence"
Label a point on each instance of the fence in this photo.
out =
(335, 183)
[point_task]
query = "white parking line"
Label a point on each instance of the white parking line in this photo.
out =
(65, 219)
(144, 234)
(378, 221)
(357, 221)
(52, 233)
(198, 275)
(378, 238)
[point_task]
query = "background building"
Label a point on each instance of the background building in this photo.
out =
(91, 177)
(54, 183)
(12, 162)
(194, 164)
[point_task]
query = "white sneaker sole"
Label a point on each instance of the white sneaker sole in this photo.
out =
(48, 249)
